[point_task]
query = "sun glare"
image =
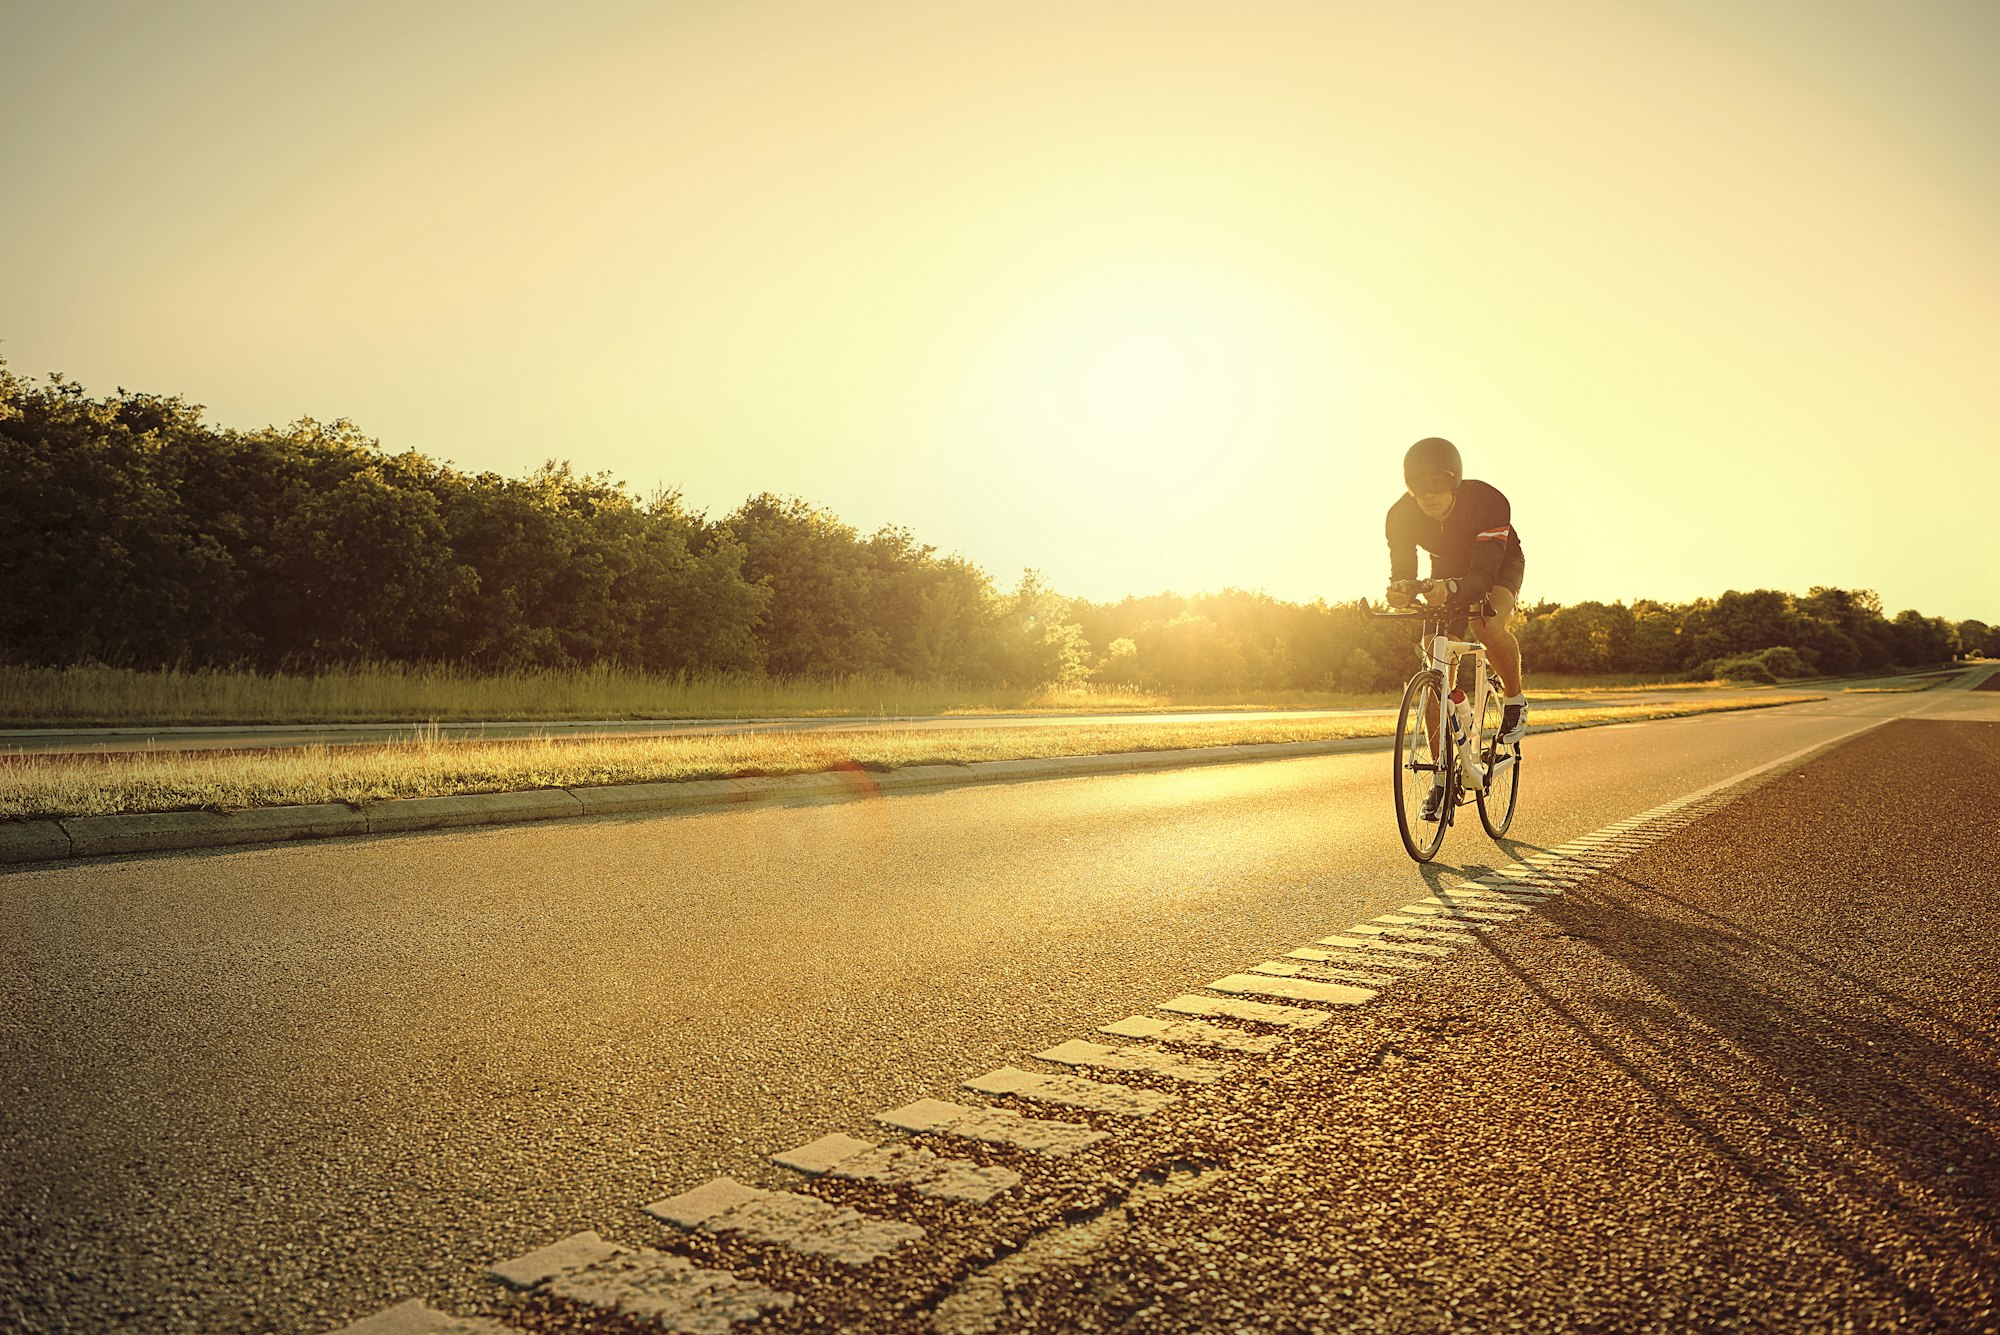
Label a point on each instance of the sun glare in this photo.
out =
(1128, 375)
(1145, 376)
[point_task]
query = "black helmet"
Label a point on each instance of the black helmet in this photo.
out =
(1429, 457)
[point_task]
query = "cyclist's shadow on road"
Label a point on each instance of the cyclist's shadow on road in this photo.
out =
(1866, 1115)
(1435, 874)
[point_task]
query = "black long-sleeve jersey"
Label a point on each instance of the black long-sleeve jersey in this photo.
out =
(1475, 544)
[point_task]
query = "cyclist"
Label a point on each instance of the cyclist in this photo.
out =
(1467, 527)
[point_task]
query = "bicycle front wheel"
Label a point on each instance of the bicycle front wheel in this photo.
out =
(1503, 785)
(1423, 761)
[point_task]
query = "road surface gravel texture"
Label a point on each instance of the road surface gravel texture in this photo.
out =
(1747, 1080)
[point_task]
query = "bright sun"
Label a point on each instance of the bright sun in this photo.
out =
(1131, 374)
(1128, 368)
(1133, 387)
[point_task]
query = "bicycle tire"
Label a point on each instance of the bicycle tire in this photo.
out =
(1499, 797)
(1415, 756)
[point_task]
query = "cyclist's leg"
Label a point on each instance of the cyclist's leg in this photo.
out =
(1504, 652)
(1496, 633)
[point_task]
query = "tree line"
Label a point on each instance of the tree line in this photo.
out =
(132, 533)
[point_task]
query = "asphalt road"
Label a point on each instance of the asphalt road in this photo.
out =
(281, 1088)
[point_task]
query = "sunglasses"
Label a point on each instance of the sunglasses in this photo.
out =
(1431, 484)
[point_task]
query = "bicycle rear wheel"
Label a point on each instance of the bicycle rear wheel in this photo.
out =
(1423, 758)
(1503, 786)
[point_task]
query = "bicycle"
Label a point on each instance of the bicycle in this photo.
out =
(1458, 747)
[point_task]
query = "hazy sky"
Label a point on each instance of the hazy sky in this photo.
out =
(1146, 295)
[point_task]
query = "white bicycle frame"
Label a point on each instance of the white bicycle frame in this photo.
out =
(1441, 655)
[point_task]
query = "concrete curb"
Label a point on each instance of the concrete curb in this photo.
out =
(99, 836)
(30, 841)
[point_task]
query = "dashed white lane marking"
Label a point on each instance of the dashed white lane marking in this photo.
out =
(1435, 929)
(670, 1291)
(1071, 1091)
(993, 1126)
(803, 1224)
(545, 1263)
(1399, 930)
(1232, 1008)
(1416, 948)
(415, 1318)
(1332, 973)
(819, 1156)
(1135, 1057)
(1528, 892)
(909, 1166)
(1439, 909)
(1193, 1032)
(1526, 876)
(1479, 899)
(1357, 958)
(1292, 989)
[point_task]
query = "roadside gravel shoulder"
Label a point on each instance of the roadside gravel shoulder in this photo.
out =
(1748, 1081)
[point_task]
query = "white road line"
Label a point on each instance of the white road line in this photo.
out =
(1071, 1091)
(1442, 910)
(1481, 897)
(1398, 929)
(1435, 929)
(910, 1166)
(993, 1126)
(803, 1224)
(1135, 1057)
(1330, 973)
(1355, 958)
(1377, 943)
(415, 1318)
(819, 1156)
(1193, 1032)
(545, 1263)
(670, 1291)
(1292, 989)
(1232, 1008)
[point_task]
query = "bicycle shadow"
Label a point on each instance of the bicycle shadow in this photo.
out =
(1435, 873)
(1865, 1115)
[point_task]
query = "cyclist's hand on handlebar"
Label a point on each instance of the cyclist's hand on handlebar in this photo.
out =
(1401, 593)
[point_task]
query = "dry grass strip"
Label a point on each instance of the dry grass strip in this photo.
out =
(134, 782)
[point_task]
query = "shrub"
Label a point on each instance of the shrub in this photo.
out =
(1361, 674)
(1782, 661)
(1745, 669)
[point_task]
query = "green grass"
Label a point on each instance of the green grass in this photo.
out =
(100, 696)
(111, 783)
(392, 693)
